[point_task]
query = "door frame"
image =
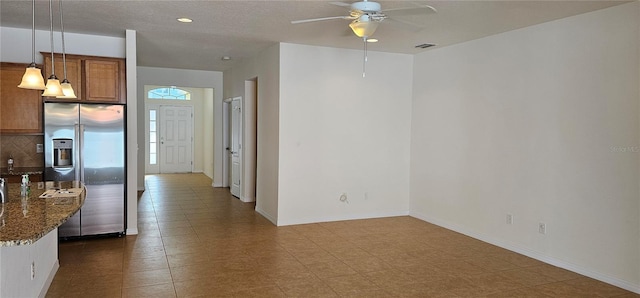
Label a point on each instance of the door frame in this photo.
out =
(249, 143)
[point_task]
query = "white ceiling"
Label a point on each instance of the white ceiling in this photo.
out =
(240, 29)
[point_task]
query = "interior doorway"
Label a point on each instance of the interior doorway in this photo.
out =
(240, 142)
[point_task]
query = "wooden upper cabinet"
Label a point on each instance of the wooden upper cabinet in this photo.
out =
(74, 74)
(94, 79)
(102, 80)
(20, 109)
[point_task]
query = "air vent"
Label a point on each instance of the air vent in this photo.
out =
(425, 45)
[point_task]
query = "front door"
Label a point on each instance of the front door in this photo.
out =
(236, 145)
(176, 130)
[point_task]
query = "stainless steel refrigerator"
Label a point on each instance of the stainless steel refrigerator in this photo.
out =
(86, 142)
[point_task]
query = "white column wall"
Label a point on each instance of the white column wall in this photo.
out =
(541, 123)
(266, 68)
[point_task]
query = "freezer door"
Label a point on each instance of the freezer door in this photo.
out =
(60, 122)
(103, 210)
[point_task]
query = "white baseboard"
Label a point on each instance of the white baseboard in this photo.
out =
(141, 188)
(247, 199)
(300, 221)
(216, 185)
(132, 231)
(267, 216)
(49, 280)
(531, 253)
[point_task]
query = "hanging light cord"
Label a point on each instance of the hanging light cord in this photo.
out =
(53, 65)
(33, 34)
(364, 63)
(64, 55)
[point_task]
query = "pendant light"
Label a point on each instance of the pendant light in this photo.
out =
(32, 78)
(66, 86)
(53, 87)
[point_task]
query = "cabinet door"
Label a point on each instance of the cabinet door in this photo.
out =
(20, 109)
(74, 74)
(102, 80)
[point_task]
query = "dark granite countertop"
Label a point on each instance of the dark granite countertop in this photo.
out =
(24, 220)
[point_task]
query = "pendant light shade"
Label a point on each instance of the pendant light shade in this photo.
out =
(66, 85)
(32, 78)
(53, 87)
(67, 90)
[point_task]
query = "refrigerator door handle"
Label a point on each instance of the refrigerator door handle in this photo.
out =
(78, 150)
(81, 152)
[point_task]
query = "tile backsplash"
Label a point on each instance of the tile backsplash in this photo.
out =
(23, 149)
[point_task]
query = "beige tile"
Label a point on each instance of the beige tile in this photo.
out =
(145, 264)
(330, 269)
(310, 288)
(350, 284)
(147, 278)
(199, 241)
(597, 287)
(561, 289)
(154, 291)
(527, 277)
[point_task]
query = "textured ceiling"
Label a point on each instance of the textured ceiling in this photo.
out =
(240, 29)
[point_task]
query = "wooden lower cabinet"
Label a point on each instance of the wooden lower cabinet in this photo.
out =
(20, 109)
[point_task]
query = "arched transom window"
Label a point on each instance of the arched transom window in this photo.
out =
(171, 93)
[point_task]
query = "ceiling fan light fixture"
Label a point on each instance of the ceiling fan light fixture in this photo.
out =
(364, 27)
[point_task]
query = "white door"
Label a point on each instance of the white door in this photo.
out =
(176, 130)
(236, 145)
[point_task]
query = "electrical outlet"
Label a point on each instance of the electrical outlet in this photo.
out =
(39, 148)
(343, 198)
(33, 270)
(509, 219)
(542, 228)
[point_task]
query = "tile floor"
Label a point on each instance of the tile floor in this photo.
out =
(199, 241)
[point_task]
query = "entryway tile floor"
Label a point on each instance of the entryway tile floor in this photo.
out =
(198, 241)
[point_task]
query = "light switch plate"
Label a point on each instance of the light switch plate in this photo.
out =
(39, 148)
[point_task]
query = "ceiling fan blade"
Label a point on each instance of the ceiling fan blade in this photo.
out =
(343, 4)
(321, 19)
(408, 11)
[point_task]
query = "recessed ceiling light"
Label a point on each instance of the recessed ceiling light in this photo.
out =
(185, 20)
(372, 40)
(225, 58)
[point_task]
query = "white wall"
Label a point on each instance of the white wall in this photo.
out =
(184, 78)
(342, 133)
(266, 68)
(541, 123)
(15, 45)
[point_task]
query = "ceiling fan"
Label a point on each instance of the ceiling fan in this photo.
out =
(367, 15)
